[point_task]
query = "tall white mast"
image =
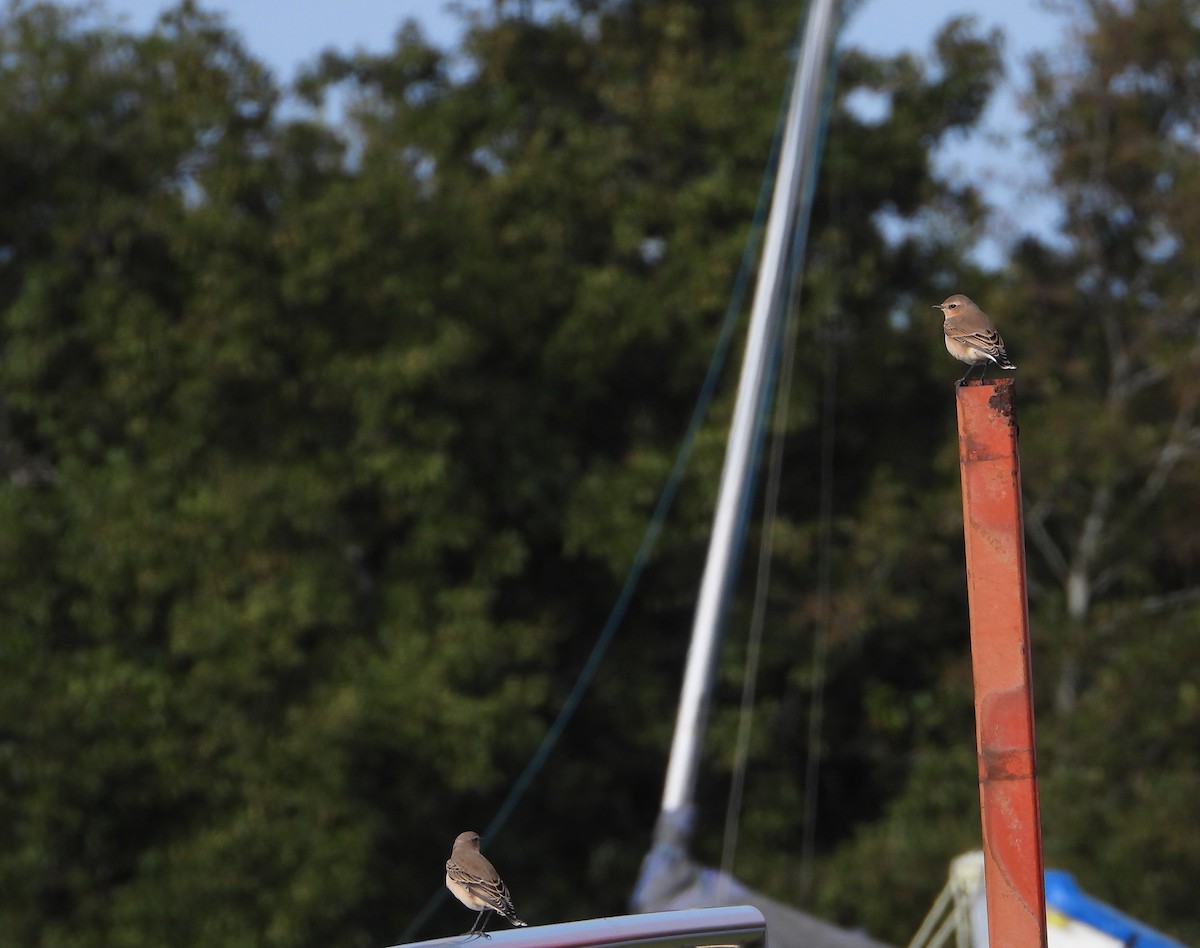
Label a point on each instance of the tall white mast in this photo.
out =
(787, 222)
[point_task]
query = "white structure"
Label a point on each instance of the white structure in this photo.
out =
(1074, 919)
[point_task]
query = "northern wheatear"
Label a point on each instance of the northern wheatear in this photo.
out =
(971, 337)
(475, 882)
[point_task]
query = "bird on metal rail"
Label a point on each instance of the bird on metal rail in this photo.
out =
(475, 882)
(971, 337)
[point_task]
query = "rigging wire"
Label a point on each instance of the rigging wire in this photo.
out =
(762, 584)
(824, 618)
(820, 649)
(653, 529)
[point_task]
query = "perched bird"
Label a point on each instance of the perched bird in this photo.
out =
(475, 882)
(971, 337)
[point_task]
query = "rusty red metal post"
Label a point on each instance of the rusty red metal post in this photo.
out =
(995, 540)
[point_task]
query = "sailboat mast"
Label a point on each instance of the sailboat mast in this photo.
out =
(787, 221)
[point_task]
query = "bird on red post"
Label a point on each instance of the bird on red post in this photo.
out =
(971, 337)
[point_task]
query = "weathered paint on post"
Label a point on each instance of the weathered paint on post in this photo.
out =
(995, 541)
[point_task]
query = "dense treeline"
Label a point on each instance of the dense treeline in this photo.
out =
(327, 443)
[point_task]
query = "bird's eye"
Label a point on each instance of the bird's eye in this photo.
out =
(952, 305)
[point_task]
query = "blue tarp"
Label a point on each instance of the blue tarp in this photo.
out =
(1064, 895)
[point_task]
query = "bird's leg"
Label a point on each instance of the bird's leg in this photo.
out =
(481, 920)
(971, 368)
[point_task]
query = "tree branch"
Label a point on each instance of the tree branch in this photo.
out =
(1036, 527)
(1151, 605)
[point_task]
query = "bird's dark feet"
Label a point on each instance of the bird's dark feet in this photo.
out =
(481, 922)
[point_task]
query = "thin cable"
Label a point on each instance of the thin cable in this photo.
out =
(816, 712)
(641, 557)
(733, 808)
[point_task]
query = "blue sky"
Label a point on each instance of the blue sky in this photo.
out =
(289, 33)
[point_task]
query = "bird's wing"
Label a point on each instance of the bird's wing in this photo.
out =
(985, 339)
(493, 891)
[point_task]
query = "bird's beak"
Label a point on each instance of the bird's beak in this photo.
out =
(940, 306)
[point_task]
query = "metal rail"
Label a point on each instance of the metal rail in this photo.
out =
(737, 926)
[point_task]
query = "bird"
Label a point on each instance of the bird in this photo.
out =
(475, 882)
(971, 337)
